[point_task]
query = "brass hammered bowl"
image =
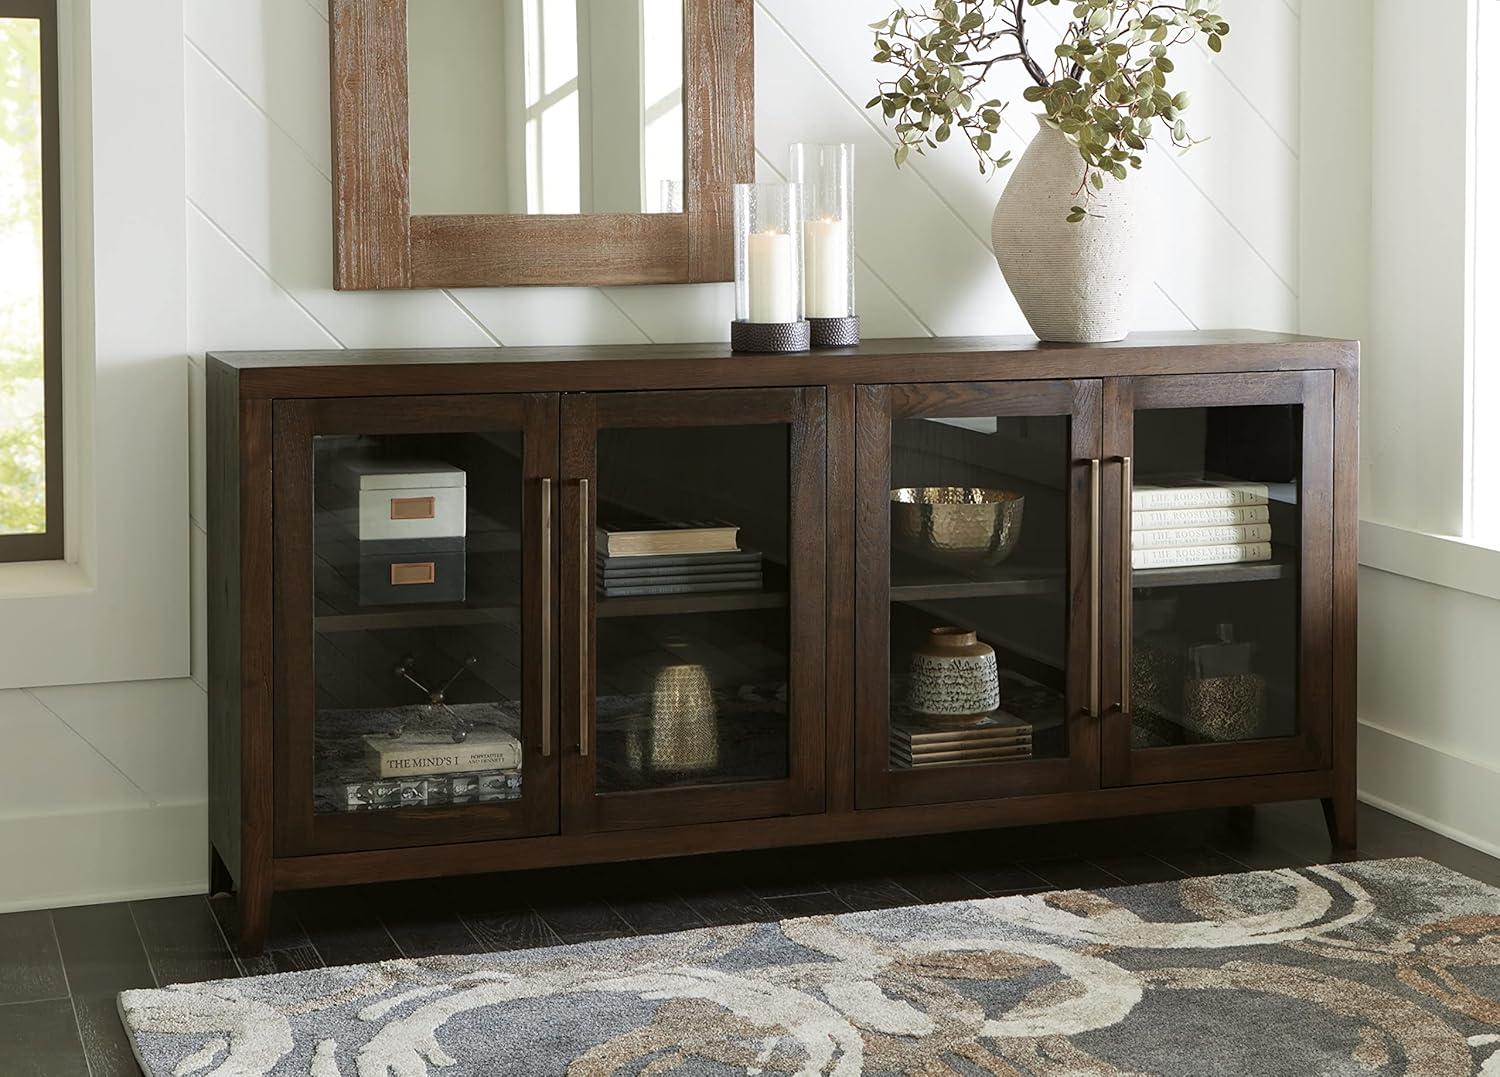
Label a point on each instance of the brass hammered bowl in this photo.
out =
(960, 524)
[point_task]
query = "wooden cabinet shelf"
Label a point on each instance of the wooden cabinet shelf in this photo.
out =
(675, 724)
(377, 618)
(931, 586)
(636, 606)
(664, 605)
(1281, 566)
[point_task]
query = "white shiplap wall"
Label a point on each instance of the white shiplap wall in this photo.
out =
(259, 266)
(258, 186)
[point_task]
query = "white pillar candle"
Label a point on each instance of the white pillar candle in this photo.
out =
(825, 255)
(773, 277)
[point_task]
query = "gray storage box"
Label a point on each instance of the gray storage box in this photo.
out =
(413, 572)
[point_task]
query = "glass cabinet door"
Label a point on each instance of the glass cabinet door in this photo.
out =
(415, 587)
(1219, 503)
(692, 606)
(977, 575)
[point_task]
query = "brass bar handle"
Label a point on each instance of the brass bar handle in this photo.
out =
(1094, 587)
(583, 617)
(1127, 583)
(545, 515)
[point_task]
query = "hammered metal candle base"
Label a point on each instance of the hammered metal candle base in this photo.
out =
(835, 332)
(770, 336)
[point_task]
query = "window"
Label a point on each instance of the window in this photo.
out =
(31, 494)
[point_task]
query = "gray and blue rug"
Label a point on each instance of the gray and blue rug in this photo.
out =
(1378, 967)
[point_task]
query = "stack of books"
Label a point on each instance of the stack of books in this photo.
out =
(675, 559)
(360, 770)
(441, 790)
(916, 745)
(1202, 523)
(437, 752)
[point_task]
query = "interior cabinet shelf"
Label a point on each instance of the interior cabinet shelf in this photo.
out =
(913, 587)
(1282, 566)
(428, 617)
(660, 605)
(644, 606)
(931, 586)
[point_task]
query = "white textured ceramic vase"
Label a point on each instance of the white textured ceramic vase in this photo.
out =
(1076, 283)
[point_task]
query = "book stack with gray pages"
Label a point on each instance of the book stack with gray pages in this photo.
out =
(675, 559)
(1199, 523)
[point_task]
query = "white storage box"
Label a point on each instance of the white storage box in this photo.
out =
(404, 499)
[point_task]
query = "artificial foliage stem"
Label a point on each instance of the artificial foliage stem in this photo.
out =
(1106, 90)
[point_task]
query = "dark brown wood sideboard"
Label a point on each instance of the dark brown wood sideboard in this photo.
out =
(405, 558)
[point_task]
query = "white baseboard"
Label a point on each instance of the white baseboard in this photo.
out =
(1423, 784)
(1460, 836)
(115, 854)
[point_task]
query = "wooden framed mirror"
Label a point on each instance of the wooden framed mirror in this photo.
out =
(530, 142)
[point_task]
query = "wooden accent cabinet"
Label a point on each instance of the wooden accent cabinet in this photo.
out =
(553, 704)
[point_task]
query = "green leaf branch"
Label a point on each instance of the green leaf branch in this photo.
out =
(1105, 87)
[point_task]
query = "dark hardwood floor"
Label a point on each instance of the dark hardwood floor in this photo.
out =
(60, 969)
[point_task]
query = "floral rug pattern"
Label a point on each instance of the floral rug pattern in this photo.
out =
(1375, 967)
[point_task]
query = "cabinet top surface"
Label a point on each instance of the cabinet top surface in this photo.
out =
(708, 365)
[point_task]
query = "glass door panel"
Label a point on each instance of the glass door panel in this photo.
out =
(979, 522)
(417, 577)
(1216, 526)
(697, 578)
(982, 684)
(1229, 550)
(427, 560)
(693, 658)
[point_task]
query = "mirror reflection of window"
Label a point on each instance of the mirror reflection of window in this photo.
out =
(546, 106)
(554, 161)
(662, 119)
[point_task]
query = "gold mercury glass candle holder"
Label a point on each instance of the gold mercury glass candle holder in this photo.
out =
(1228, 708)
(826, 175)
(768, 294)
(682, 736)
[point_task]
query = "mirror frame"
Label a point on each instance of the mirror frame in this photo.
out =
(379, 244)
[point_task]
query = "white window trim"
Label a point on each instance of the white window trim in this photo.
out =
(1482, 511)
(1442, 560)
(118, 607)
(1469, 562)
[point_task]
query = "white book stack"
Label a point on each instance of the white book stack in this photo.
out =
(1203, 523)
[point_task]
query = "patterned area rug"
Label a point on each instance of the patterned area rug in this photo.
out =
(1380, 967)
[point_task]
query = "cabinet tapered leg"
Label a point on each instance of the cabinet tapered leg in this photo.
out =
(1339, 812)
(253, 903)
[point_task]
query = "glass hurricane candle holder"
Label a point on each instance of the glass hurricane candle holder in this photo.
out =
(768, 269)
(826, 175)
